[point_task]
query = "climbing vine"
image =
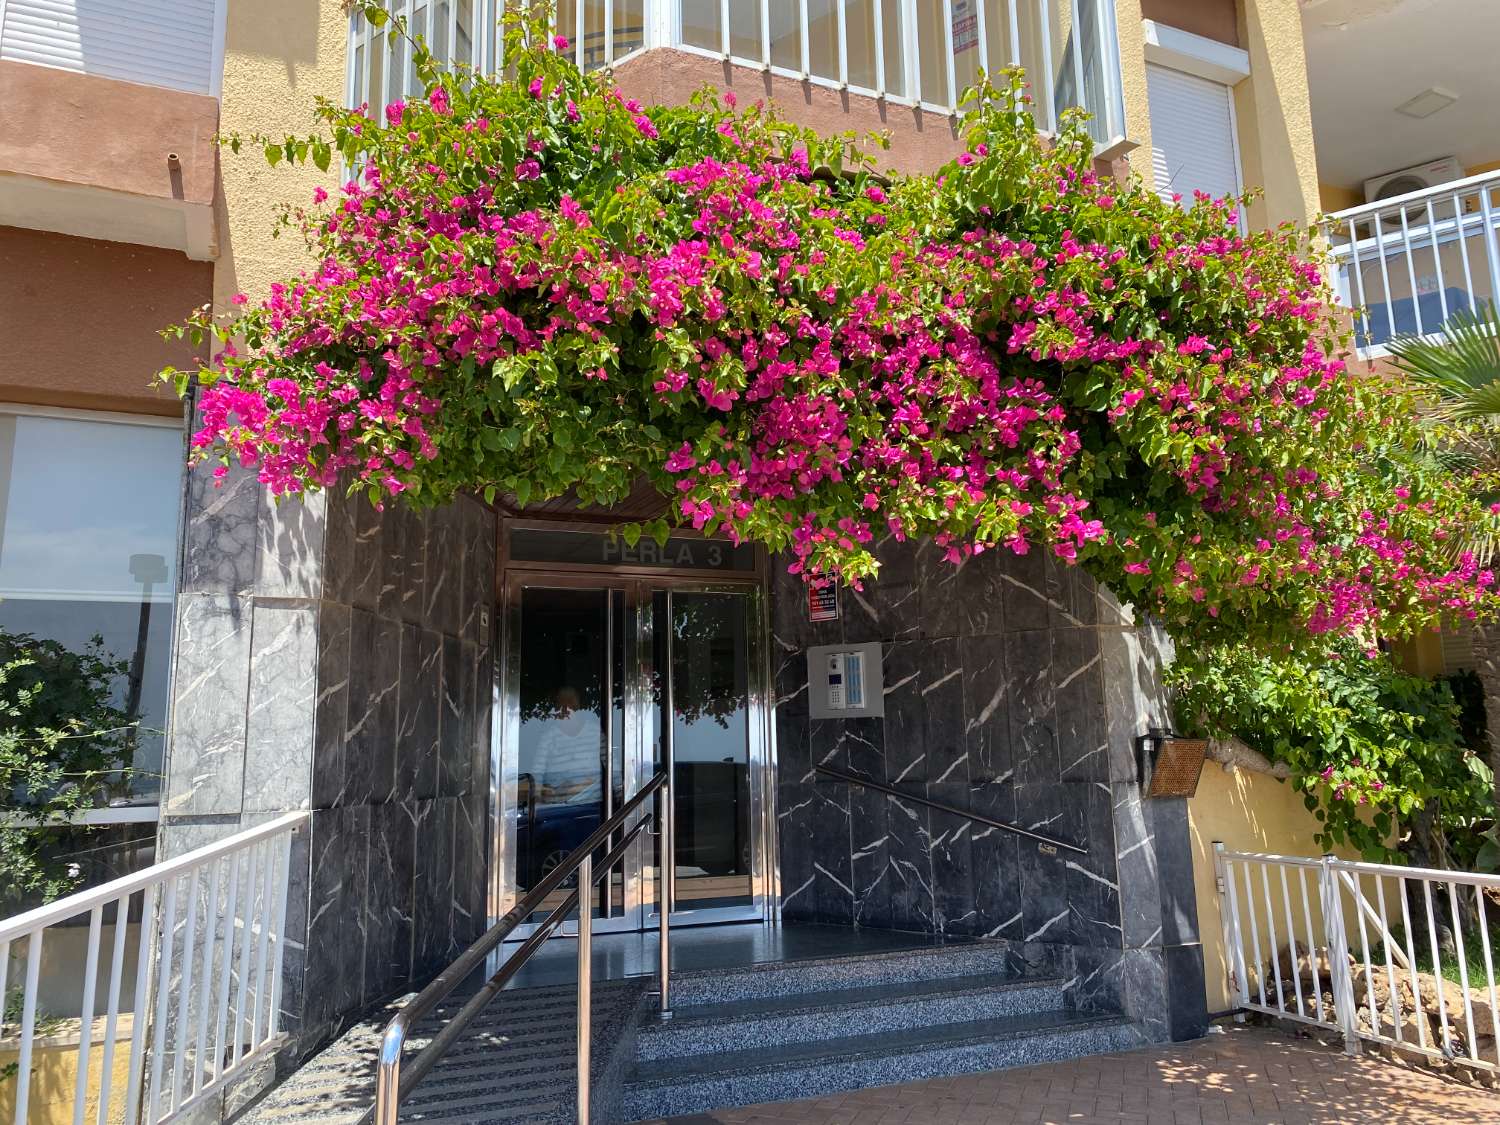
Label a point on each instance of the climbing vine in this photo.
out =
(534, 285)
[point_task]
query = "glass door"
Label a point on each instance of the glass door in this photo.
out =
(604, 682)
(706, 701)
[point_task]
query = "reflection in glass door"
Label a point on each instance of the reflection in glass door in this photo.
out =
(604, 681)
(706, 644)
(570, 724)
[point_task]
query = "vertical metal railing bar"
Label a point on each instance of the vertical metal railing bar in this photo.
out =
(1411, 960)
(1411, 270)
(950, 58)
(246, 936)
(579, 31)
(28, 1024)
(880, 49)
(86, 1015)
(263, 918)
(1491, 257)
(1243, 978)
(1463, 964)
(112, 1006)
(1437, 965)
(1489, 970)
(163, 998)
(1265, 886)
(226, 964)
(1356, 270)
(1107, 39)
(1260, 971)
(1312, 944)
(145, 937)
(1389, 942)
(609, 33)
(1013, 10)
(210, 941)
(724, 27)
(1291, 941)
(1385, 275)
(185, 988)
(585, 982)
(1338, 954)
(1463, 243)
(666, 826)
(1437, 259)
(1357, 893)
(278, 924)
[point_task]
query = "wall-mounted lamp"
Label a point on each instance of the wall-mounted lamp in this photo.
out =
(1169, 766)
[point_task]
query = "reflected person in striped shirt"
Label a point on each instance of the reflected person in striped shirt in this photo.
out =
(570, 754)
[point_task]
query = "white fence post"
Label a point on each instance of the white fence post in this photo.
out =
(1229, 922)
(1338, 955)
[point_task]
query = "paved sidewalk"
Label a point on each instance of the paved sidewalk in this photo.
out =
(1248, 1075)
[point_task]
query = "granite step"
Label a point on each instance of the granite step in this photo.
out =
(701, 1029)
(927, 963)
(674, 1086)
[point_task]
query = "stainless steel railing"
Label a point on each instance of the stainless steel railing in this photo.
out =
(394, 1082)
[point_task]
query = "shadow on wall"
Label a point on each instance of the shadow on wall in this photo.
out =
(287, 30)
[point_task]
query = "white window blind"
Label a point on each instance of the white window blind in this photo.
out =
(1193, 146)
(171, 43)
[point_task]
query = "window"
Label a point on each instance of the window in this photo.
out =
(1193, 145)
(88, 560)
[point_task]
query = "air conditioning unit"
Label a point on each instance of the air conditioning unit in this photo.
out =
(1419, 178)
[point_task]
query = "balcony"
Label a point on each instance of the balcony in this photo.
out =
(1413, 261)
(918, 53)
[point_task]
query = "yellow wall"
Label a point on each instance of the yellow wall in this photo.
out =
(54, 1073)
(1133, 84)
(1274, 112)
(1249, 812)
(278, 56)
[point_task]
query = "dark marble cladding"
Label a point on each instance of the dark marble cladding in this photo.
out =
(354, 647)
(1014, 688)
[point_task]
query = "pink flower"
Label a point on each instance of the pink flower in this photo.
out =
(393, 113)
(560, 42)
(320, 194)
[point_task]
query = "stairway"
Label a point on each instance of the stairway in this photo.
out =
(799, 1029)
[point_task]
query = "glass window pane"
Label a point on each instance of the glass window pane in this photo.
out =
(630, 26)
(786, 35)
(700, 24)
(823, 39)
(88, 557)
(859, 28)
(744, 29)
(932, 46)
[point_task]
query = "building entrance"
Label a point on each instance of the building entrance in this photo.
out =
(618, 662)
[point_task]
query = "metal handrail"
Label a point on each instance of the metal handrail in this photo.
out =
(392, 1085)
(953, 810)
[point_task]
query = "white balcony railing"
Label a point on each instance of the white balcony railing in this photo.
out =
(909, 52)
(1401, 956)
(186, 989)
(1413, 261)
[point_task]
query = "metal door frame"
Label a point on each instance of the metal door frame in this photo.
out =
(637, 586)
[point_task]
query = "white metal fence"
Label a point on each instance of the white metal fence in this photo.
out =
(1396, 955)
(910, 52)
(186, 983)
(1413, 261)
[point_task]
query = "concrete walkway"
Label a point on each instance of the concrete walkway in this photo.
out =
(1248, 1076)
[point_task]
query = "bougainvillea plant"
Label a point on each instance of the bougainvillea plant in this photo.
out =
(533, 284)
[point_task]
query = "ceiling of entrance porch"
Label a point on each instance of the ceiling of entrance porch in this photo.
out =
(1366, 57)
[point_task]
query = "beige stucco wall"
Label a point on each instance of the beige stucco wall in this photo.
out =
(1274, 112)
(279, 55)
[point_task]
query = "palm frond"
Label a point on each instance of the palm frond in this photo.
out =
(1461, 365)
